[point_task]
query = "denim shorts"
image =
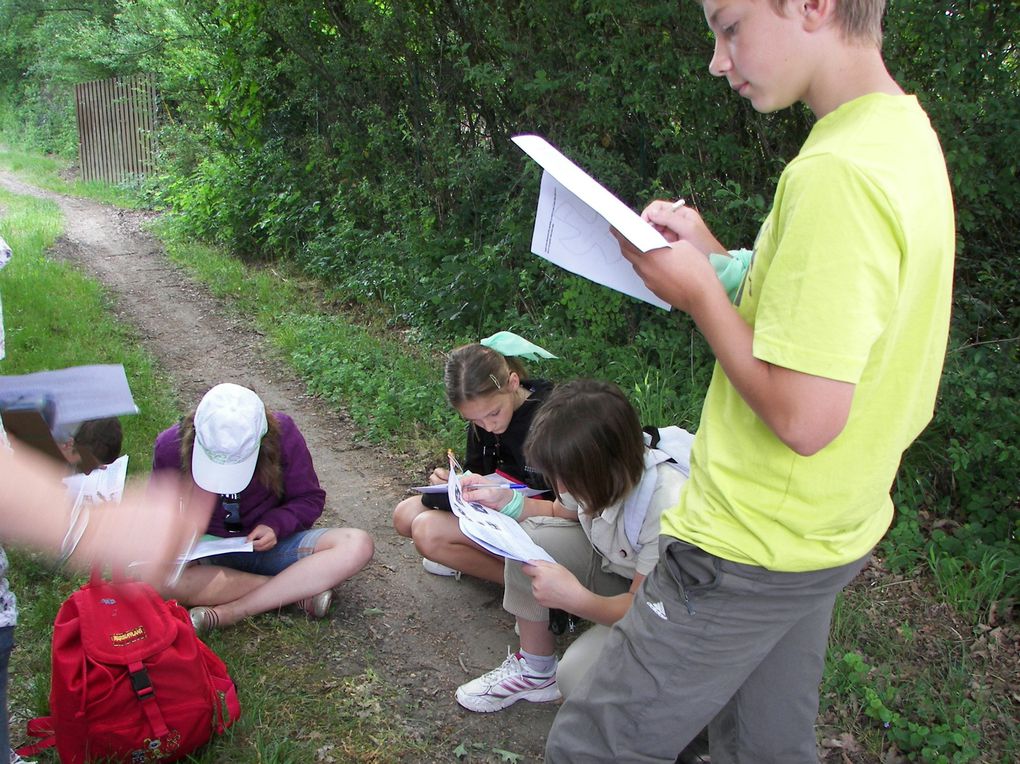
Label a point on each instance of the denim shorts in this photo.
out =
(272, 561)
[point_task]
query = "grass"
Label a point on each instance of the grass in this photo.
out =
(975, 589)
(909, 672)
(298, 708)
(915, 666)
(342, 361)
(49, 172)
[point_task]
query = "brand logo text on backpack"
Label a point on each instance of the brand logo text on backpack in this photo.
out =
(127, 637)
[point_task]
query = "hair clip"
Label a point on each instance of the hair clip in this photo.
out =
(495, 382)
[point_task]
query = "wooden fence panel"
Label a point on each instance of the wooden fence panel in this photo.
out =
(116, 127)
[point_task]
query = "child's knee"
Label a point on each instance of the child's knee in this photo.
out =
(405, 513)
(430, 531)
(349, 544)
(360, 545)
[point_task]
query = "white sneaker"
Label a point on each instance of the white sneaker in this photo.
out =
(438, 569)
(502, 687)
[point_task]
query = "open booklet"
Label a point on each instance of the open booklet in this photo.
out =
(573, 219)
(498, 533)
(104, 483)
(208, 545)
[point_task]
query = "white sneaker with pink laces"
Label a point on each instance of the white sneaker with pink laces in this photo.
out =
(513, 680)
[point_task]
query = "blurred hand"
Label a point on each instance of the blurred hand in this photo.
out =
(439, 476)
(146, 531)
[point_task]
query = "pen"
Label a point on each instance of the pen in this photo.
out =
(678, 204)
(511, 486)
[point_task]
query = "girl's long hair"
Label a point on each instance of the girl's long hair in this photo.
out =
(268, 468)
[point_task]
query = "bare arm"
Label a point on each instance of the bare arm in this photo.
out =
(804, 411)
(556, 587)
(148, 525)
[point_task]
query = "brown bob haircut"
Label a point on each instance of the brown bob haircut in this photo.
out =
(586, 439)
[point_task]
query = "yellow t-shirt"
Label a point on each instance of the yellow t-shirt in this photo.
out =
(851, 280)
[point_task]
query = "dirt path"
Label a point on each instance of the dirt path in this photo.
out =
(434, 632)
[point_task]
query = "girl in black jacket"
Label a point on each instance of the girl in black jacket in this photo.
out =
(490, 391)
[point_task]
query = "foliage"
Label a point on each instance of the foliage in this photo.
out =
(369, 143)
(951, 740)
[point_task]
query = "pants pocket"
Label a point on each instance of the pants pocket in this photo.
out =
(693, 571)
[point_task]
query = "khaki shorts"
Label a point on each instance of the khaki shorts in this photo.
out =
(566, 543)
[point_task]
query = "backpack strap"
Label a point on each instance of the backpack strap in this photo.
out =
(675, 441)
(635, 506)
(146, 695)
(40, 727)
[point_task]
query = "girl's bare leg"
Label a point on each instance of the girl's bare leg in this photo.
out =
(404, 514)
(437, 535)
(339, 554)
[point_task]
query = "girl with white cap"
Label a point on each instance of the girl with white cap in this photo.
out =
(258, 464)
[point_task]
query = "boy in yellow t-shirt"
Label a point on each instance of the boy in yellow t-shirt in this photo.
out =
(828, 362)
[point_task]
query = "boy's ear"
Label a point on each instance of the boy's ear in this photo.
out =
(816, 13)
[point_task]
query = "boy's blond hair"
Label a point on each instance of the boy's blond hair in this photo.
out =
(858, 20)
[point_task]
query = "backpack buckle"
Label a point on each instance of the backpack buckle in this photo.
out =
(141, 683)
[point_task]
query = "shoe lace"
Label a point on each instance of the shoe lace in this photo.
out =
(510, 667)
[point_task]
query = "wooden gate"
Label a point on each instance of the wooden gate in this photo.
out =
(116, 127)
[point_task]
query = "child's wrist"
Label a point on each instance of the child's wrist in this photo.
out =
(514, 507)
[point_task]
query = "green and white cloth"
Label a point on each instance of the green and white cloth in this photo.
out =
(510, 344)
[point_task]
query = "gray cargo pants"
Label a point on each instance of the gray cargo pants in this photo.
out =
(707, 642)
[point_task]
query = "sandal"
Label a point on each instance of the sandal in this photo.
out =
(204, 619)
(317, 606)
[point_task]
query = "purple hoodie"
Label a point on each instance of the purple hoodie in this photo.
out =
(303, 499)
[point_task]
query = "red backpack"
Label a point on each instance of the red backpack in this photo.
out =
(131, 681)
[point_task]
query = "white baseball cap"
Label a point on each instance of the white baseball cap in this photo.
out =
(229, 425)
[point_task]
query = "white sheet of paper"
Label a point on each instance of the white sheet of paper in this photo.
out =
(102, 484)
(500, 534)
(573, 219)
(210, 545)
